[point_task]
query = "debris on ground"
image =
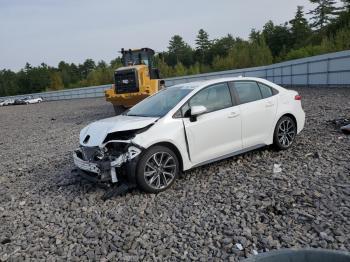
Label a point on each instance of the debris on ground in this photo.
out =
(339, 122)
(343, 124)
(308, 154)
(206, 212)
(346, 129)
(239, 246)
(277, 168)
(314, 155)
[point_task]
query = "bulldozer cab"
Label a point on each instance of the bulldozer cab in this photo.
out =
(143, 56)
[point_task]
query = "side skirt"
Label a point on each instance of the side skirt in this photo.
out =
(229, 155)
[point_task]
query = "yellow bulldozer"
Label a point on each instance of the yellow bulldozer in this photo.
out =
(136, 80)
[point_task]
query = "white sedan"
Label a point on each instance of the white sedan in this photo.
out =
(186, 126)
(7, 102)
(32, 100)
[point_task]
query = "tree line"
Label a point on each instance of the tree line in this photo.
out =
(327, 30)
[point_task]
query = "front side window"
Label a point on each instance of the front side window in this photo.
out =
(247, 91)
(214, 98)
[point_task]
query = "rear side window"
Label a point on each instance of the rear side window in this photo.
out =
(214, 97)
(266, 91)
(247, 91)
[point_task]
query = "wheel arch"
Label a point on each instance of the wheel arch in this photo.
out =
(274, 138)
(172, 147)
(291, 116)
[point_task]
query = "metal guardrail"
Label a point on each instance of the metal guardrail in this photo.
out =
(331, 69)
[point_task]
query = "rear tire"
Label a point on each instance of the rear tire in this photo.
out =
(157, 169)
(119, 109)
(285, 133)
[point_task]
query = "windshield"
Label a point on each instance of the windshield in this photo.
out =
(136, 58)
(159, 104)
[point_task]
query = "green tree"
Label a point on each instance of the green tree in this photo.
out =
(220, 47)
(180, 70)
(194, 69)
(300, 29)
(65, 70)
(245, 54)
(33, 79)
(342, 39)
(8, 83)
(102, 64)
(278, 38)
(342, 20)
(323, 13)
(254, 35)
(179, 51)
(87, 67)
(99, 76)
(202, 41)
(260, 53)
(116, 63)
(165, 69)
(56, 81)
(346, 4)
(203, 45)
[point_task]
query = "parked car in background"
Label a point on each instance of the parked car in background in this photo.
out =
(186, 126)
(7, 102)
(32, 100)
(20, 102)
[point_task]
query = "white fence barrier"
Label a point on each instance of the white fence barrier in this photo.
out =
(331, 69)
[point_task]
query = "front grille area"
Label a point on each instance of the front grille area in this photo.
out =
(89, 153)
(126, 81)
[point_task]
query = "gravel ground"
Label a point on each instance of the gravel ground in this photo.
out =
(48, 214)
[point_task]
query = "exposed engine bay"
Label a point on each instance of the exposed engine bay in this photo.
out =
(105, 156)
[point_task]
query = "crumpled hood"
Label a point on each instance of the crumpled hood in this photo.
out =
(100, 129)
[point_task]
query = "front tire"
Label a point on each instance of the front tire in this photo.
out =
(157, 169)
(285, 132)
(119, 109)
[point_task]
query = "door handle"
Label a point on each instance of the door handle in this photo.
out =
(233, 115)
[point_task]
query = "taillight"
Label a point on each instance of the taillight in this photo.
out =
(297, 97)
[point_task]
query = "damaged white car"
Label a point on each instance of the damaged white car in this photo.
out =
(186, 126)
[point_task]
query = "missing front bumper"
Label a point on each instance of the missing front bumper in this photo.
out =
(85, 165)
(106, 170)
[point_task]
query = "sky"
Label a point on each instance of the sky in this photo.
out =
(50, 31)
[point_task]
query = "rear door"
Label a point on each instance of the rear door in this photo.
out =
(258, 110)
(217, 132)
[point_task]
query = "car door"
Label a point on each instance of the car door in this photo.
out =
(218, 131)
(257, 112)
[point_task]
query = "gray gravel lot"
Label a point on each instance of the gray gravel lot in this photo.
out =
(47, 214)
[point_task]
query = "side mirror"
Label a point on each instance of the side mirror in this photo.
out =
(161, 84)
(197, 111)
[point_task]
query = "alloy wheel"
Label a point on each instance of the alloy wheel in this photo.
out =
(286, 133)
(160, 170)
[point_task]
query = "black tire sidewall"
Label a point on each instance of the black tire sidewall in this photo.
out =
(141, 166)
(276, 141)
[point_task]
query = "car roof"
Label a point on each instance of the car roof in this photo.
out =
(200, 84)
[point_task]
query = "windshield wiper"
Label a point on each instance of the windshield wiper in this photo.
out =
(138, 115)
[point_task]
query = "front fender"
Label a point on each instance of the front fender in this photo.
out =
(179, 144)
